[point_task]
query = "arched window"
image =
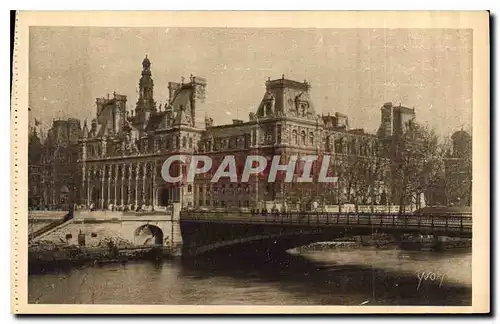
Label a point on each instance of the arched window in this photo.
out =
(372, 149)
(294, 137)
(184, 142)
(177, 144)
(303, 138)
(269, 138)
(303, 109)
(190, 188)
(352, 147)
(311, 139)
(339, 146)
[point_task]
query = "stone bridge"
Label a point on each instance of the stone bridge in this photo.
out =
(204, 231)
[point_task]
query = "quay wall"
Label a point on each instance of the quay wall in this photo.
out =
(96, 228)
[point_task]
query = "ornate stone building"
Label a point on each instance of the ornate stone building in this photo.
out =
(122, 153)
(53, 168)
(458, 170)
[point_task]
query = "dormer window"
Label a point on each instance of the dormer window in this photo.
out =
(301, 105)
(269, 109)
(268, 104)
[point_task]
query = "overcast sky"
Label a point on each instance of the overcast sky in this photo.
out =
(353, 71)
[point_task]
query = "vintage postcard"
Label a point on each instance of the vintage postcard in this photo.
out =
(251, 162)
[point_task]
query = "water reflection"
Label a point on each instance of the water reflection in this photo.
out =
(319, 278)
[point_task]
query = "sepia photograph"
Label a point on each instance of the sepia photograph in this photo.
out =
(233, 164)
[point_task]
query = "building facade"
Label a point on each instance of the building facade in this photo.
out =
(53, 166)
(458, 170)
(122, 152)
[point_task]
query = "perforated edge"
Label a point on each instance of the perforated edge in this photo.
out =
(15, 173)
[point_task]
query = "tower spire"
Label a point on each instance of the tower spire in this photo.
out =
(146, 66)
(145, 103)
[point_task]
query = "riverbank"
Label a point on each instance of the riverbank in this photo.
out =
(349, 245)
(48, 258)
(439, 246)
(385, 242)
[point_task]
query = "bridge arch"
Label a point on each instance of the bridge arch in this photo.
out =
(279, 241)
(205, 232)
(148, 234)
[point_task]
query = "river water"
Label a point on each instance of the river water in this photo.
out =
(335, 277)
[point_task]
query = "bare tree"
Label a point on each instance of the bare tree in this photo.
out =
(360, 170)
(372, 167)
(416, 161)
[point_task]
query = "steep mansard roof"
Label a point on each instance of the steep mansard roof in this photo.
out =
(156, 121)
(286, 98)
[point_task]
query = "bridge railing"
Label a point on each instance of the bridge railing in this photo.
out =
(452, 222)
